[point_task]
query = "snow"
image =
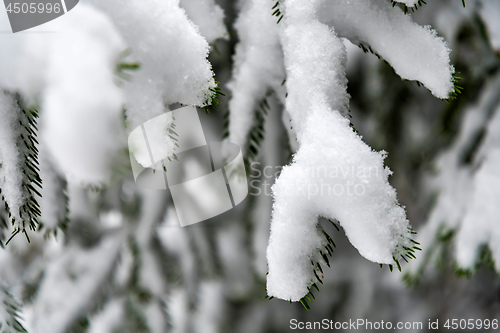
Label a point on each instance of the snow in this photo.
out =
(415, 52)
(315, 71)
(77, 276)
(490, 10)
(176, 241)
(258, 66)
(53, 200)
(468, 193)
(337, 176)
(208, 16)
(177, 304)
(234, 259)
(10, 172)
(409, 3)
(480, 224)
(109, 318)
(85, 112)
(71, 75)
(210, 308)
(154, 311)
(333, 174)
(159, 34)
(154, 131)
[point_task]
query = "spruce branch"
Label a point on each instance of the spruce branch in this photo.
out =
(322, 257)
(211, 99)
(401, 253)
(31, 184)
(455, 77)
(63, 214)
(10, 313)
(257, 132)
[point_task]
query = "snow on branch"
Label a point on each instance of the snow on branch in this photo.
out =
(71, 76)
(415, 52)
(172, 54)
(78, 276)
(10, 315)
(258, 66)
(20, 181)
(490, 11)
(334, 174)
(208, 17)
(409, 3)
(82, 102)
(468, 185)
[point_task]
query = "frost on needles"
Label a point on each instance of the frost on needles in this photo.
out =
(334, 174)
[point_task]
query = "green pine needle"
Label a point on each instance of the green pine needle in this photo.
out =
(123, 66)
(277, 12)
(257, 132)
(212, 100)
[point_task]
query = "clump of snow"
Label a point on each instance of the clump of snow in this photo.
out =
(333, 174)
(10, 165)
(82, 103)
(208, 16)
(258, 66)
(415, 52)
(338, 176)
(315, 60)
(160, 35)
(70, 73)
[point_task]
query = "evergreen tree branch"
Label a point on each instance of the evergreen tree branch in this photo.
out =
(10, 313)
(31, 184)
